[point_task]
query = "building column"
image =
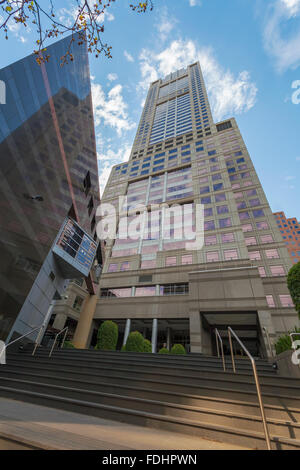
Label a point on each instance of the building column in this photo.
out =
(169, 338)
(127, 331)
(196, 332)
(82, 333)
(265, 321)
(60, 321)
(154, 336)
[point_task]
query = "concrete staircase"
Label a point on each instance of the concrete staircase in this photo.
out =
(186, 394)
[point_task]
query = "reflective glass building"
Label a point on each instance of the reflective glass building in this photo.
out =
(48, 166)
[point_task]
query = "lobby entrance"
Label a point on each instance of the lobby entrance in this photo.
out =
(244, 324)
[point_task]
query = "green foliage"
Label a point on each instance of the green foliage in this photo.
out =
(135, 342)
(293, 281)
(108, 336)
(163, 351)
(147, 346)
(69, 345)
(178, 349)
(284, 343)
(123, 348)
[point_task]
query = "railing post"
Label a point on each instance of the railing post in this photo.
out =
(231, 351)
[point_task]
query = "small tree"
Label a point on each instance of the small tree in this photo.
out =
(135, 342)
(107, 336)
(178, 349)
(147, 346)
(293, 281)
(284, 343)
(164, 351)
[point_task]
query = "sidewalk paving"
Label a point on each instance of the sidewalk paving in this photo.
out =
(51, 429)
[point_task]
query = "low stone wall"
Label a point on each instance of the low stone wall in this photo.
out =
(286, 366)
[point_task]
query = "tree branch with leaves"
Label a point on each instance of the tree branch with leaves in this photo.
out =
(84, 23)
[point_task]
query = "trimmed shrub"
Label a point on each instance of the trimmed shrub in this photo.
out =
(69, 345)
(163, 351)
(135, 342)
(107, 336)
(284, 343)
(178, 349)
(147, 346)
(293, 281)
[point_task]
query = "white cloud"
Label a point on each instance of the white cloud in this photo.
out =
(165, 24)
(128, 56)
(229, 94)
(289, 178)
(194, 3)
(107, 159)
(282, 46)
(111, 109)
(293, 6)
(112, 77)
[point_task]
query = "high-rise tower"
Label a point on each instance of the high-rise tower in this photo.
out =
(157, 286)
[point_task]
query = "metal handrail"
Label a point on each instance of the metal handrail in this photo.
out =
(39, 328)
(65, 330)
(268, 340)
(291, 336)
(230, 334)
(219, 339)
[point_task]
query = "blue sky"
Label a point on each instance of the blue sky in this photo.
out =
(249, 51)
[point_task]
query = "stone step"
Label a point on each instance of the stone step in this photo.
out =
(184, 377)
(253, 439)
(217, 404)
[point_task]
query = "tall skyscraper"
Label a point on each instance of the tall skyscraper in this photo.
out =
(238, 278)
(48, 166)
(290, 231)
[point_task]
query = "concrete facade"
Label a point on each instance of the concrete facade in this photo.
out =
(238, 278)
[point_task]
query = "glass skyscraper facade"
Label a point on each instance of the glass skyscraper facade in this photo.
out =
(180, 155)
(48, 166)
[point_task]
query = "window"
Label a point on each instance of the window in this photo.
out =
(277, 270)
(262, 271)
(171, 261)
(78, 303)
(228, 237)
(218, 187)
(212, 256)
(125, 266)
(258, 213)
(266, 239)
(231, 254)
(247, 228)
(210, 225)
(262, 225)
(112, 268)
(255, 255)
(270, 301)
(286, 301)
(270, 254)
(225, 222)
(147, 291)
(174, 289)
(121, 292)
(211, 240)
(250, 241)
(148, 264)
(220, 197)
(222, 210)
(187, 259)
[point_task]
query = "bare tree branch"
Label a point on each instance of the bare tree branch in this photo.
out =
(85, 23)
